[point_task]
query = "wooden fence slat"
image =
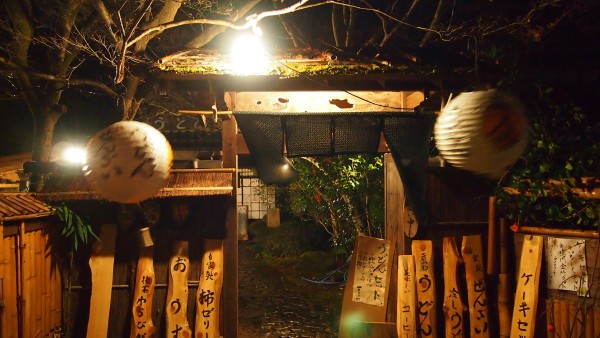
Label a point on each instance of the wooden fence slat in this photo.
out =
(550, 317)
(526, 296)
(453, 306)
(141, 320)
(566, 318)
(177, 294)
(2, 284)
(101, 265)
(589, 321)
(422, 252)
(406, 323)
(472, 255)
(209, 290)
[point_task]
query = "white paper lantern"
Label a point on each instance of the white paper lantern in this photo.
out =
(484, 132)
(128, 161)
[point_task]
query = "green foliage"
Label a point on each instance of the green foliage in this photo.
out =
(76, 230)
(344, 194)
(564, 147)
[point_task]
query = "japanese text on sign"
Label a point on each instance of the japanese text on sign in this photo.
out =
(371, 272)
(567, 268)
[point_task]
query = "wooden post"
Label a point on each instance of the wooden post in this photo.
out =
(422, 252)
(492, 256)
(566, 318)
(2, 278)
(526, 296)
(230, 246)
(557, 314)
(504, 282)
(101, 264)
(141, 321)
(453, 306)
(476, 289)
(209, 290)
(596, 321)
(22, 287)
(177, 294)
(407, 311)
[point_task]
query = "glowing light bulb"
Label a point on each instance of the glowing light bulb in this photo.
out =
(74, 155)
(248, 55)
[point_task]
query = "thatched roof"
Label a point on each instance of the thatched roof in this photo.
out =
(181, 183)
(19, 206)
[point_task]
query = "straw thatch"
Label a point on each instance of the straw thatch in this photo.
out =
(181, 183)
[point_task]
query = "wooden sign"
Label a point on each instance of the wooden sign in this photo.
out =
(366, 291)
(177, 294)
(101, 263)
(453, 306)
(476, 291)
(422, 252)
(208, 297)
(410, 225)
(141, 321)
(406, 323)
(528, 281)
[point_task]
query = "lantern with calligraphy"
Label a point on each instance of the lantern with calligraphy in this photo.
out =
(128, 161)
(484, 132)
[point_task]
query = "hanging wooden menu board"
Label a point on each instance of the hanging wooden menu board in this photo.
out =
(478, 309)
(526, 296)
(422, 252)
(208, 297)
(407, 310)
(453, 306)
(177, 294)
(141, 321)
(367, 287)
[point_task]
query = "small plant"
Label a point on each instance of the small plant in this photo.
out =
(75, 228)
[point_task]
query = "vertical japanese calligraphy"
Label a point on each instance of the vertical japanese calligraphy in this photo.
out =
(453, 306)
(567, 267)
(358, 316)
(476, 292)
(141, 320)
(177, 294)
(209, 290)
(526, 296)
(371, 272)
(406, 312)
(422, 252)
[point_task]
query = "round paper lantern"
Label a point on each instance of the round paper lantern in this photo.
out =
(484, 132)
(128, 161)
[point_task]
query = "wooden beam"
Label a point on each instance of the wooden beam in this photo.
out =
(319, 101)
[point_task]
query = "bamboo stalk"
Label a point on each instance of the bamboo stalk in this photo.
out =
(504, 262)
(2, 278)
(577, 319)
(21, 286)
(504, 304)
(558, 232)
(492, 258)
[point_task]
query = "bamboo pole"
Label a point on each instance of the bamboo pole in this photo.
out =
(504, 293)
(558, 232)
(596, 311)
(2, 278)
(23, 329)
(492, 258)
(37, 274)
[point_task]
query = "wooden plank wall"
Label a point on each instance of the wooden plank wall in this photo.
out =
(31, 286)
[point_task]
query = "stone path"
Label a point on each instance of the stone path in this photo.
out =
(275, 303)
